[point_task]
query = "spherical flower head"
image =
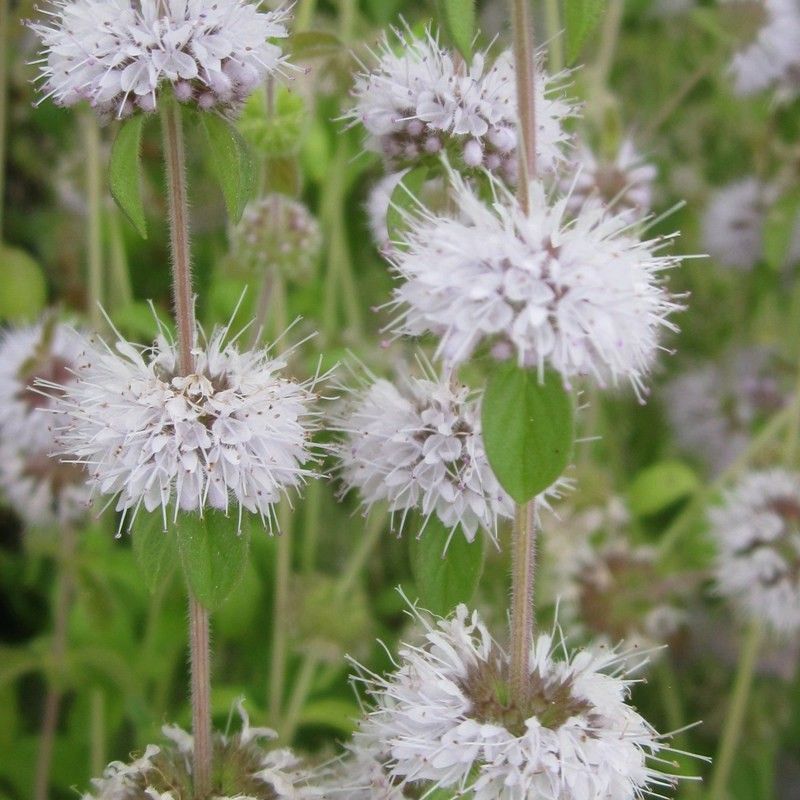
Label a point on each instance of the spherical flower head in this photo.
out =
(417, 445)
(234, 432)
(119, 55)
(446, 720)
(733, 224)
(624, 182)
(715, 407)
(583, 296)
(41, 490)
(243, 768)
(421, 100)
(757, 533)
(278, 232)
(773, 58)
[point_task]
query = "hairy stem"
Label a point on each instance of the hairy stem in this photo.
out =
(182, 298)
(748, 658)
(52, 701)
(200, 653)
(90, 131)
(523, 564)
(199, 636)
(525, 71)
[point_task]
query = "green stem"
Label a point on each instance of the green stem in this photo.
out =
(62, 602)
(4, 50)
(97, 731)
(555, 54)
(280, 611)
(302, 688)
(118, 262)
(311, 527)
(608, 41)
(525, 71)
(304, 15)
(731, 733)
(94, 224)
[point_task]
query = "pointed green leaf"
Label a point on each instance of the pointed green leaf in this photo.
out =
(660, 485)
(580, 19)
(528, 429)
(125, 172)
(155, 549)
(213, 554)
(403, 200)
(445, 578)
(459, 20)
(231, 162)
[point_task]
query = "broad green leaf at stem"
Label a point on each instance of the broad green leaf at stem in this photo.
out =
(459, 21)
(580, 19)
(213, 554)
(155, 549)
(445, 578)
(231, 162)
(125, 171)
(528, 429)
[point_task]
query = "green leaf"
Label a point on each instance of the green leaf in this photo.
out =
(311, 44)
(580, 19)
(445, 579)
(213, 554)
(331, 712)
(657, 487)
(528, 429)
(231, 163)
(125, 172)
(458, 19)
(403, 200)
(155, 549)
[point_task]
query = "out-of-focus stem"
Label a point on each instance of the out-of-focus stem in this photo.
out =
(554, 35)
(52, 702)
(120, 293)
(97, 731)
(304, 15)
(608, 40)
(280, 613)
(94, 216)
(4, 50)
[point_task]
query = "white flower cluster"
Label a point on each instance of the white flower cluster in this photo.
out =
(40, 489)
(421, 100)
(624, 183)
(583, 295)
(418, 445)
(247, 769)
(444, 719)
(757, 533)
(119, 54)
(234, 431)
(773, 59)
(714, 407)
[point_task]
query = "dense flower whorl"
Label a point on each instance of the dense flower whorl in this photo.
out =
(445, 719)
(418, 445)
(40, 489)
(757, 533)
(119, 54)
(244, 769)
(714, 407)
(584, 295)
(421, 100)
(625, 182)
(773, 59)
(233, 432)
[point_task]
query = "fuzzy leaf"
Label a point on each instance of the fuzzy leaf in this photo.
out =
(580, 19)
(125, 172)
(403, 200)
(528, 429)
(659, 486)
(213, 554)
(231, 162)
(445, 579)
(155, 549)
(458, 19)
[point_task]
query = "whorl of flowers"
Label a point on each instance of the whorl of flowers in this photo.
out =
(733, 224)
(757, 533)
(277, 231)
(119, 55)
(773, 59)
(244, 769)
(624, 182)
(445, 719)
(421, 100)
(583, 295)
(714, 407)
(40, 489)
(418, 445)
(234, 432)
